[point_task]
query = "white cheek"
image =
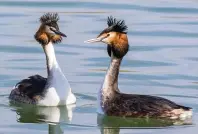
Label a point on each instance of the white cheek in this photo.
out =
(104, 40)
(111, 35)
(49, 31)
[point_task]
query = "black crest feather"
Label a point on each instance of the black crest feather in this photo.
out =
(116, 25)
(49, 18)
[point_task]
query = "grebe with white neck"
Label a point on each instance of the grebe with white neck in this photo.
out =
(111, 101)
(55, 89)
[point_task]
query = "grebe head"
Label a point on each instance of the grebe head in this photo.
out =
(115, 36)
(49, 30)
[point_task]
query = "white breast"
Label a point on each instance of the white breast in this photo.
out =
(58, 90)
(99, 100)
(51, 98)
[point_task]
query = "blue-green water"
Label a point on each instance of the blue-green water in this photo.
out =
(162, 61)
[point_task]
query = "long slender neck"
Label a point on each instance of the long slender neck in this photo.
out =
(52, 64)
(57, 85)
(111, 79)
(110, 85)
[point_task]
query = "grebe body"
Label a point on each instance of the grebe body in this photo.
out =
(111, 101)
(55, 89)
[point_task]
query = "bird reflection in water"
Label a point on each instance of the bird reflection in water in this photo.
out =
(53, 116)
(112, 125)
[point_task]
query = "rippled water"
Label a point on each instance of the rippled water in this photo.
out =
(162, 61)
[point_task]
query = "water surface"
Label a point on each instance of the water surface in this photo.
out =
(162, 61)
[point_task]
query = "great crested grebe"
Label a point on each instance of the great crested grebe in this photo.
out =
(55, 89)
(114, 103)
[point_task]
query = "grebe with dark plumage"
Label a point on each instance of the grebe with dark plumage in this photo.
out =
(55, 89)
(114, 103)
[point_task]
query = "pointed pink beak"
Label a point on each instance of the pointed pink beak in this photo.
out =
(93, 40)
